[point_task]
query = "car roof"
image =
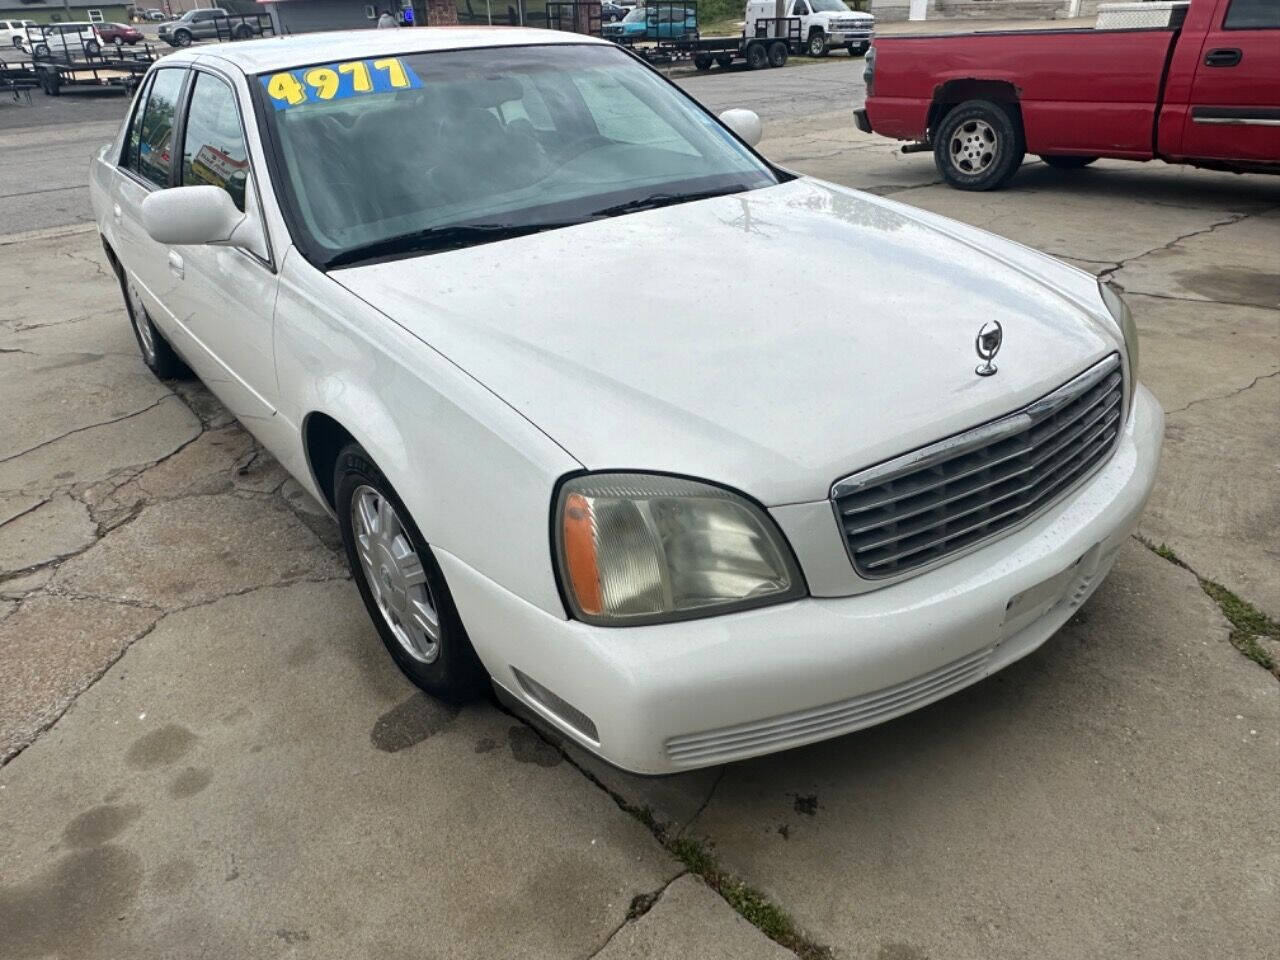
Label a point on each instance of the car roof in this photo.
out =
(281, 53)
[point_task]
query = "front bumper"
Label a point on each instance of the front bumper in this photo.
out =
(678, 696)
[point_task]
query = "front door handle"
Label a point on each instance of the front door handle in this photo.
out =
(1223, 57)
(116, 212)
(175, 264)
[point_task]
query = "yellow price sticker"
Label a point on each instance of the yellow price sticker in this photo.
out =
(337, 81)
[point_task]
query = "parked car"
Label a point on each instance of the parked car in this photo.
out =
(658, 22)
(1204, 89)
(14, 31)
(612, 12)
(823, 24)
(154, 15)
(680, 533)
(120, 33)
(205, 24)
(62, 40)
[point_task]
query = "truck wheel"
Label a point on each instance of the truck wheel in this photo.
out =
(1068, 163)
(757, 56)
(243, 32)
(817, 44)
(182, 38)
(777, 54)
(978, 146)
(40, 51)
(702, 61)
(724, 62)
(53, 84)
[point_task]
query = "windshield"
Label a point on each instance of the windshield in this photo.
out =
(828, 6)
(397, 156)
(635, 16)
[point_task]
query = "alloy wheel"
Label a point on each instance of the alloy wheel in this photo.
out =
(395, 574)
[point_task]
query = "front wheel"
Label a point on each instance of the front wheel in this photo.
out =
(817, 45)
(1068, 163)
(978, 146)
(92, 48)
(401, 584)
(182, 38)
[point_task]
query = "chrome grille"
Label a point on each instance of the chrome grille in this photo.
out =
(945, 498)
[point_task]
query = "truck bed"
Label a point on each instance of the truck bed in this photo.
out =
(1124, 69)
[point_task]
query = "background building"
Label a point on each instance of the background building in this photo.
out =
(63, 11)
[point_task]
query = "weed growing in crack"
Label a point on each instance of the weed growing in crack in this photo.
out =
(753, 905)
(1248, 623)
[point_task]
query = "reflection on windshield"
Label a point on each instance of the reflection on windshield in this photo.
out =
(462, 147)
(828, 6)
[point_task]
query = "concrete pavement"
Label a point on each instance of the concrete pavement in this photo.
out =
(209, 754)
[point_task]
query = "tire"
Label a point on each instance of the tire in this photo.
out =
(410, 580)
(40, 51)
(92, 48)
(777, 54)
(182, 38)
(159, 357)
(724, 62)
(53, 86)
(702, 61)
(243, 32)
(978, 146)
(17, 42)
(857, 49)
(757, 56)
(1068, 163)
(817, 45)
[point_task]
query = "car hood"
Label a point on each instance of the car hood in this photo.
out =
(773, 341)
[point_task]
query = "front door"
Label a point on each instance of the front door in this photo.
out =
(226, 295)
(1235, 97)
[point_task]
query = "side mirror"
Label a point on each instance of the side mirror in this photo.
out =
(745, 123)
(180, 216)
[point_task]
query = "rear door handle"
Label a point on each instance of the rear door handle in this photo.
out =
(1224, 57)
(175, 264)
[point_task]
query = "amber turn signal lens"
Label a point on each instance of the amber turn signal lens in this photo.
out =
(580, 553)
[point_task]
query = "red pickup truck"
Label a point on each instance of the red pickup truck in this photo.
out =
(1203, 90)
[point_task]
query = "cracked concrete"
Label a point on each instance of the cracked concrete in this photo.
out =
(208, 750)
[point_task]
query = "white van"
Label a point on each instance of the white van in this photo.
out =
(823, 23)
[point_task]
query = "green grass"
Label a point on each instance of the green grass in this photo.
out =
(1248, 623)
(753, 905)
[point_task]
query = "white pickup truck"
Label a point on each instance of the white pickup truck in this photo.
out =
(824, 24)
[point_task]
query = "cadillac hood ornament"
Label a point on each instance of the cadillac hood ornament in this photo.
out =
(988, 345)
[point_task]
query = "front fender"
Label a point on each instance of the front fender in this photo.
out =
(475, 474)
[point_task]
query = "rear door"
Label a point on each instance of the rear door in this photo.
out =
(146, 164)
(1235, 97)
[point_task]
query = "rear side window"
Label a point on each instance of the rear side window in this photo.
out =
(1252, 15)
(155, 134)
(213, 151)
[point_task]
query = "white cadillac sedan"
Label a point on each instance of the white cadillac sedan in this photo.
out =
(725, 502)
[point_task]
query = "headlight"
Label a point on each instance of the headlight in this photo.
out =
(639, 548)
(1128, 329)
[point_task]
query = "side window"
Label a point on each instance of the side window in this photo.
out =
(801, 9)
(213, 150)
(129, 158)
(155, 136)
(1252, 15)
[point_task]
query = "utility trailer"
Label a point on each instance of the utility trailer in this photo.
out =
(17, 79)
(765, 42)
(77, 61)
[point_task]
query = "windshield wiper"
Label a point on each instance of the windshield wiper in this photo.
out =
(435, 239)
(655, 200)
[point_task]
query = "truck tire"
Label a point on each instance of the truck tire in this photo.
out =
(817, 45)
(702, 61)
(92, 48)
(182, 38)
(243, 32)
(1068, 163)
(724, 61)
(777, 54)
(978, 146)
(757, 56)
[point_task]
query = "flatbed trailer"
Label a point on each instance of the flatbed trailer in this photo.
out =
(17, 79)
(771, 42)
(122, 71)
